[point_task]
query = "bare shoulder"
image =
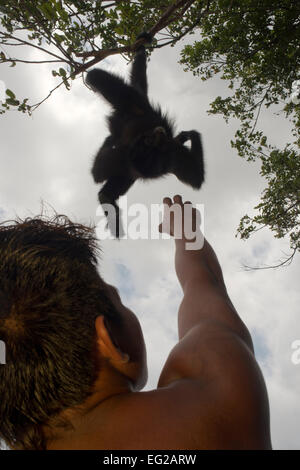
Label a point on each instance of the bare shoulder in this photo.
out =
(200, 414)
(226, 405)
(185, 414)
(210, 395)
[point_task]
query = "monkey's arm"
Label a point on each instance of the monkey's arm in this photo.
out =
(188, 163)
(108, 160)
(138, 76)
(120, 95)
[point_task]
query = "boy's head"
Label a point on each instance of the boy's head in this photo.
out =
(54, 307)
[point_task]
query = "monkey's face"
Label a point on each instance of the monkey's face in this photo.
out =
(155, 138)
(151, 139)
(150, 153)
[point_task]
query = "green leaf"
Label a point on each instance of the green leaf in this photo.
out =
(48, 11)
(12, 102)
(263, 141)
(59, 37)
(10, 94)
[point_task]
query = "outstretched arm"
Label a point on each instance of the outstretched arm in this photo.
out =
(138, 76)
(212, 372)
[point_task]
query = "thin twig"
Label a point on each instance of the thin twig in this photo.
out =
(23, 42)
(259, 110)
(31, 61)
(284, 263)
(35, 106)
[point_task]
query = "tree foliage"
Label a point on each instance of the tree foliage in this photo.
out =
(74, 35)
(252, 44)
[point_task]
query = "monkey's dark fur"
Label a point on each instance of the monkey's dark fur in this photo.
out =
(141, 143)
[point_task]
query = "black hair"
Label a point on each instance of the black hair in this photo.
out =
(50, 295)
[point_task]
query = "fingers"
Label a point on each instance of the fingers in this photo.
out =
(177, 199)
(167, 201)
(180, 221)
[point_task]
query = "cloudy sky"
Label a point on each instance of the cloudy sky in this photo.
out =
(47, 158)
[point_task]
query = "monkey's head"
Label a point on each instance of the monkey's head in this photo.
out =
(152, 138)
(151, 153)
(156, 138)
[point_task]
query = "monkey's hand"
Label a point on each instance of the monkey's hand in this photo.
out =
(184, 136)
(143, 39)
(144, 35)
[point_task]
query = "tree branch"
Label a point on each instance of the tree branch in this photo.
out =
(162, 23)
(8, 59)
(23, 42)
(285, 263)
(259, 109)
(35, 106)
(102, 54)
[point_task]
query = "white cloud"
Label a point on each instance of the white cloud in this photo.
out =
(48, 157)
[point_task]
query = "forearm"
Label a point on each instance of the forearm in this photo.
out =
(191, 264)
(205, 295)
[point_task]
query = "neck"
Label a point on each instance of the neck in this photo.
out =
(109, 384)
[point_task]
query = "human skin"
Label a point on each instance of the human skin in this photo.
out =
(210, 394)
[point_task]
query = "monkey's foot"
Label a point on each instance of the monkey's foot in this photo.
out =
(113, 215)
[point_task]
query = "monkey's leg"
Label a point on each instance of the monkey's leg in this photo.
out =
(120, 95)
(110, 192)
(108, 161)
(188, 163)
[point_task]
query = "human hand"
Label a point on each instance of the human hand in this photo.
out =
(180, 220)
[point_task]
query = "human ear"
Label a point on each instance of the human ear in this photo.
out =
(106, 345)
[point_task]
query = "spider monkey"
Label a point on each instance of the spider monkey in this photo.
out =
(141, 143)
